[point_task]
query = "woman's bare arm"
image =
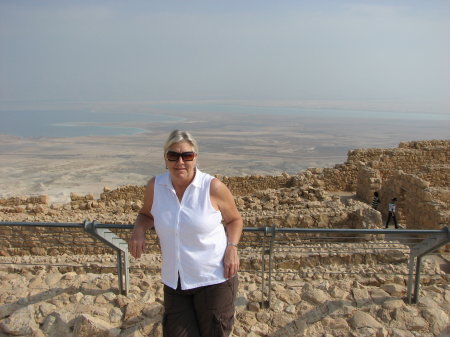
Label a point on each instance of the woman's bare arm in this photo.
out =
(144, 221)
(222, 198)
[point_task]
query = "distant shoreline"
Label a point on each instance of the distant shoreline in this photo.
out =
(128, 120)
(233, 144)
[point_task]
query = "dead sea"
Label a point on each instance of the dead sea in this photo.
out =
(231, 143)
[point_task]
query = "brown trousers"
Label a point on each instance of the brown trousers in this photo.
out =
(200, 312)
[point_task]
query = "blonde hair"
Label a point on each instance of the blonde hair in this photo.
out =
(178, 136)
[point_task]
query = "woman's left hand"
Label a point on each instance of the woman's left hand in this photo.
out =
(231, 262)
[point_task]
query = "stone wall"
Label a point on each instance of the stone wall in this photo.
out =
(240, 186)
(370, 170)
(303, 206)
(427, 159)
(410, 157)
(419, 205)
(301, 200)
(437, 175)
(369, 181)
(417, 174)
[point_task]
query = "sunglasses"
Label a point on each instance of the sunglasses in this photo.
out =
(174, 156)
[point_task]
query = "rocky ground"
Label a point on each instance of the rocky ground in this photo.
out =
(356, 290)
(69, 296)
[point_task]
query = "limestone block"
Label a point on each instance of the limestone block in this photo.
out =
(87, 300)
(39, 209)
(7, 309)
(19, 209)
(37, 282)
(289, 296)
(393, 303)
(338, 292)
(361, 319)
(132, 310)
(260, 329)
(379, 295)
(253, 306)
(100, 299)
(115, 315)
(55, 326)
(45, 309)
(76, 297)
(361, 297)
(393, 289)
(53, 278)
(277, 306)
(153, 309)
(336, 323)
(75, 196)
(314, 295)
(21, 322)
(43, 199)
(438, 319)
(88, 326)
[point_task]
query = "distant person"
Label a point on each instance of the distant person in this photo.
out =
(392, 207)
(375, 200)
(199, 228)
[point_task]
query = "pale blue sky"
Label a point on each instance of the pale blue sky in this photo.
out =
(377, 51)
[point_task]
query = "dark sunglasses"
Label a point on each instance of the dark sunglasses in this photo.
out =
(174, 156)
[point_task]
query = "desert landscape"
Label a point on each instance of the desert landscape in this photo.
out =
(303, 109)
(62, 282)
(231, 144)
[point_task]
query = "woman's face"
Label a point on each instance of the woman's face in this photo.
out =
(181, 169)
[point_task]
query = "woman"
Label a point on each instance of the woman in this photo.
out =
(199, 227)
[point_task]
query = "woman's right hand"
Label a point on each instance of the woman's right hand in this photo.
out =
(136, 245)
(144, 221)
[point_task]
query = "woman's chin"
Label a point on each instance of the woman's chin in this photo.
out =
(180, 173)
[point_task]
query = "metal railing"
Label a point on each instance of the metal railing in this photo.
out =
(67, 236)
(273, 244)
(326, 242)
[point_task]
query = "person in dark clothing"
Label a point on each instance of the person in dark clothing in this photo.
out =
(392, 207)
(375, 200)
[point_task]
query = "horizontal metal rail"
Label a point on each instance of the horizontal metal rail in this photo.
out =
(271, 240)
(90, 228)
(266, 229)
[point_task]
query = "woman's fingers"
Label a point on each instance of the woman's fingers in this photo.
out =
(231, 262)
(136, 247)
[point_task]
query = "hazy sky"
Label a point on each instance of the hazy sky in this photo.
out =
(394, 51)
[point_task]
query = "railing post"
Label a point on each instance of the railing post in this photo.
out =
(116, 243)
(119, 269)
(419, 250)
(272, 241)
(263, 267)
(269, 251)
(410, 277)
(417, 284)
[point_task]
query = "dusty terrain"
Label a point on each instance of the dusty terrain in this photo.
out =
(231, 144)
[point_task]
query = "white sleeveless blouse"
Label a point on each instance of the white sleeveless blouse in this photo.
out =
(191, 233)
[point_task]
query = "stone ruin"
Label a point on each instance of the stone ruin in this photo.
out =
(417, 173)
